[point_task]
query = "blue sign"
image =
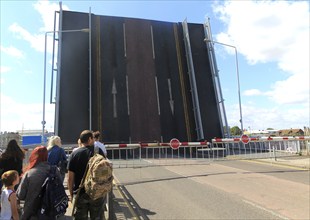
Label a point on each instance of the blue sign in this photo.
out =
(37, 139)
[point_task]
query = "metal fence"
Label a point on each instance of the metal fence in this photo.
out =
(191, 153)
(162, 154)
(264, 147)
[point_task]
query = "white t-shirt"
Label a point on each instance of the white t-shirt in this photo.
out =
(6, 211)
(101, 146)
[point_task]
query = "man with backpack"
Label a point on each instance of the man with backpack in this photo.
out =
(77, 169)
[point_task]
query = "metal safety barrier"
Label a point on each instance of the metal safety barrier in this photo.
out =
(263, 147)
(176, 153)
(186, 153)
(162, 154)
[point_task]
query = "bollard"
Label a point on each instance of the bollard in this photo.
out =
(274, 153)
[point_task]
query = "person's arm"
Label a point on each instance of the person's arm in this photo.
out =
(105, 150)
(64, 155)
(71, 176)
(101, 148)
(22, 188)
(13, 202)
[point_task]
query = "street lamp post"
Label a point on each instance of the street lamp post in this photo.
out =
(237, 72)
(44, 77)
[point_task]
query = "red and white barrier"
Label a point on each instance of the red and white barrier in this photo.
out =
(290, 138)
(204, 143)
(145, 145)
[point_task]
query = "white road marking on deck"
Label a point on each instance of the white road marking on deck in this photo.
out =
(266, 210)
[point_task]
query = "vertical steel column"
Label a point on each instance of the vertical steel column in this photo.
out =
(237, 72)
(56, 129)
(239, 95)
(216, 80)
(90, 103)
(191, 72)
(44, 88)
(98, 72)
(208, 39)
(53, 61)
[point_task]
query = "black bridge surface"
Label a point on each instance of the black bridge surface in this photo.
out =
(140, 89)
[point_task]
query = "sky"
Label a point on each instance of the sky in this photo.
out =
(271, 39)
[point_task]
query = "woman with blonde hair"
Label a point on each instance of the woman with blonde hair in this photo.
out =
(57, 155)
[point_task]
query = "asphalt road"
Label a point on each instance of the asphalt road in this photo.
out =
(222, 190)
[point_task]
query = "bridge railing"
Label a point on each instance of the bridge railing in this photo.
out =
(264, 147)
(190, 153)
(162, 154)
(156, 154)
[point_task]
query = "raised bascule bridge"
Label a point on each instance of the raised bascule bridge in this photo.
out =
(137, 80)
(152, 88)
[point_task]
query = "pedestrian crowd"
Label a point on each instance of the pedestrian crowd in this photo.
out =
(44, 175)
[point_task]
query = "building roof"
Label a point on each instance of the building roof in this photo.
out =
(291, 131)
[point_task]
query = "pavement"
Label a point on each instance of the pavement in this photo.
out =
(121, 208)
(301, 162)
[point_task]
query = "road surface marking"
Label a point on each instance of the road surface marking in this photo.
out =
(122, 194)
(266, 210)
(277, 164)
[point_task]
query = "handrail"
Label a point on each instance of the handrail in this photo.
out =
(288, 138)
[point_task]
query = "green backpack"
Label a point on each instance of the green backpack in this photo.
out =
(99, 177)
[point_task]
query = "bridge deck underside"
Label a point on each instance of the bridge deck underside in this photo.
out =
(139, 81)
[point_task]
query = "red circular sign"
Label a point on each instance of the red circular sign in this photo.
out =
(175, 143)
(245, 139)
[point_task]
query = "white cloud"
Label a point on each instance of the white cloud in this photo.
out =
(12, 51)
(272, 31)
(293, 90)
(252, 92)
(36, 40)
(5, 69)
(259, 118)
(46, 10)
(28, 72)
(15, 115)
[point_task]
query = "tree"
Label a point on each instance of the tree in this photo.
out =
(269, 129)
(235, 131)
